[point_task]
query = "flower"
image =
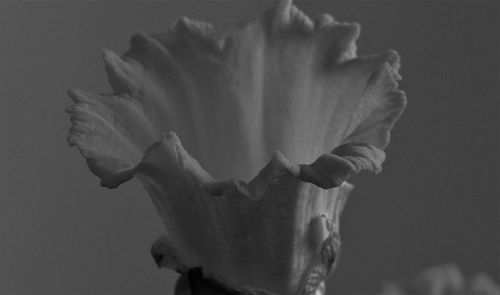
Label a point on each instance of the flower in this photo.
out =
(273, 92)
(444, 280)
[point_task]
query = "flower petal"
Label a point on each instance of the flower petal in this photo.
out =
(380, 105)
(331, 170)
(247, 233)
(280, 82)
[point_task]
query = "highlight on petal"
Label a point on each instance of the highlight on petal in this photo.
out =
(253, 108)
(111, 132)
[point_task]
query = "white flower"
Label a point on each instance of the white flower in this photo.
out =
(254, 218)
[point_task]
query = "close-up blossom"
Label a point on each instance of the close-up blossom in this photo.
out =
(244, 141)
(248, 147)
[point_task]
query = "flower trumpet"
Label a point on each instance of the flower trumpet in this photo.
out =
(238, 206)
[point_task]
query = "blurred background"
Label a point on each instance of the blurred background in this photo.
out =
(437, 201)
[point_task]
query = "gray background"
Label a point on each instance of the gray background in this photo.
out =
(436, 202)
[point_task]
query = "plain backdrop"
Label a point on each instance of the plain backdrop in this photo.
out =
(436, 202)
